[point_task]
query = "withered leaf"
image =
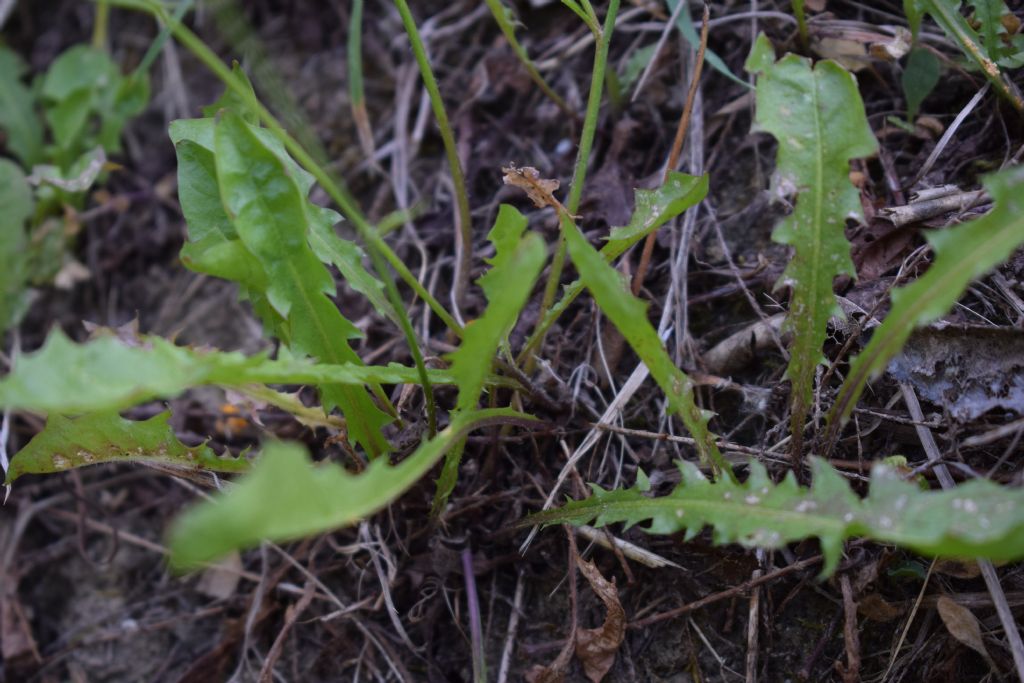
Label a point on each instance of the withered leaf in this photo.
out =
(962, 625)
(596, 647)
(539, 190)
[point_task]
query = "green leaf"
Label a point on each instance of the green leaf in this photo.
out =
(977, 519)
(962, 254)
(653, 208)
(81, 67)
(95, 438)
(629, 315)
(946, 14)
(18, 119)
(72, 91)
(348, 258)
(108, 374)
(119, 105)
(68, 117)
(271, 213)
(231, 100)
(286, 496)
(514, 270)
(818, 118)
(507, 284)
(15, 209)
(920, 77)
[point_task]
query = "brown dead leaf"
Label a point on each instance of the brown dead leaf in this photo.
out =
(539, 190)
(962, 625)
(596, 647)
(876, 608)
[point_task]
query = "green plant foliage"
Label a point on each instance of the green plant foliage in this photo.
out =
(988, 51)
(260, 236)
(286, 496)
(919, 78)
(629, 315)
(18, 119)
(95, 438)
(108, 374)
(653, 208)
(15, 210)
(82, 85)
(514, 269)
(977, 519)
(962, 254)
(818, 119)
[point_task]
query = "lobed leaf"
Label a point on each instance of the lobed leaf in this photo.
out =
(68, 442)
(514, 270)
(286, 496)
(976, 519)
(962, 254)
(818, 119)
(108, 374)
(270, 212)
(260, 230)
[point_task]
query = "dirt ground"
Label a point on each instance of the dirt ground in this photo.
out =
(86, 594)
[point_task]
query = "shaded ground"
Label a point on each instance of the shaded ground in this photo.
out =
(86, 593)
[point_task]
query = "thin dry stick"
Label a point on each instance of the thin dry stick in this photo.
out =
(850, 637)
(988, 570)
(753, 622)
(291, 615)
(677, 145)
(510, 633)
(726, 594)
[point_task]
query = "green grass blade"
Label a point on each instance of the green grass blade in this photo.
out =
(962, 254)
(629, 315)
(976, 519)
(818, 118)
(465, 218)
(286, 496)
(356, 93)
(94, 438)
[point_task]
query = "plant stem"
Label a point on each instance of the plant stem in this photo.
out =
(100, 24)
(578, 178)
(801, 22)
(464, 233)
(509, 31)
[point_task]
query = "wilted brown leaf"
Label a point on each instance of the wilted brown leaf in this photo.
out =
(962, 625)
(596, 647)
(876, 608)
(539, 190)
